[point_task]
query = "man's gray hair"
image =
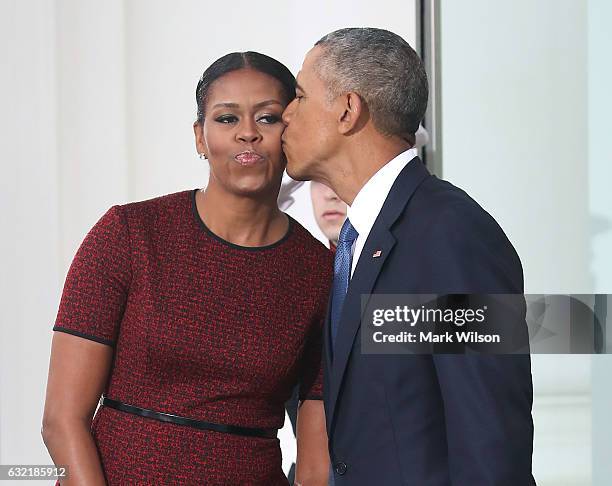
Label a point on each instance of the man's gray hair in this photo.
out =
(381, 68)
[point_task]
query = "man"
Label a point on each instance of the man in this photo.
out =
(422, 420)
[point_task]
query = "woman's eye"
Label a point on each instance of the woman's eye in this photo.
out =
(269, 119)
(226, 119)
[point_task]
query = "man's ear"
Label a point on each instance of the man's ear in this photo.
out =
(352, 111)
(199, 138)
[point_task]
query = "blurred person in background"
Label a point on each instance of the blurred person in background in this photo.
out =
(329, 211)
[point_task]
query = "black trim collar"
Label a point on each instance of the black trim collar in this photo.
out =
(202, 225)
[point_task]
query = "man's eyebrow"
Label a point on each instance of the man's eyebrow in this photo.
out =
(257, 105)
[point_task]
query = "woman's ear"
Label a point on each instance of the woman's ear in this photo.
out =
(200, 143)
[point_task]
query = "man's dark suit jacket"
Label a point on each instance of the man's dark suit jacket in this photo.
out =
(429, 420)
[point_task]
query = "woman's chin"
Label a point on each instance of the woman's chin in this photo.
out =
(256, 189)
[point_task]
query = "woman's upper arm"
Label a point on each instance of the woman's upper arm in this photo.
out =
(89, 317)
(78, 372)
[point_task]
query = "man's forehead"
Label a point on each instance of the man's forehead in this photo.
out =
(307, 70)
(311, 56)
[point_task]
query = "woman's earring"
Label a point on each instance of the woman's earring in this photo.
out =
(203, 156)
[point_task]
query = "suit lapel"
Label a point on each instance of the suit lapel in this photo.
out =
(366, 273)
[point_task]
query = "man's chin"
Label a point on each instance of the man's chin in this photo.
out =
(295, 172)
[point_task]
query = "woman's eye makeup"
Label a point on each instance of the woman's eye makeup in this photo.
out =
(226, 118)
(268, 118)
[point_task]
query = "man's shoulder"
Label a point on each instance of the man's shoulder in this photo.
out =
(439, 203)
(443, 197)
(441, 214)
(453, 242)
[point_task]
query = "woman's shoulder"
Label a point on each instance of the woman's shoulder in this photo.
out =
(167, 202)
(168, 209)
(310, 246)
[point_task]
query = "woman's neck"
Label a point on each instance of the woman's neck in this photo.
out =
(241, 220)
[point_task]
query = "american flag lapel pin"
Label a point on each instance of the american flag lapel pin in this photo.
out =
(376, 254)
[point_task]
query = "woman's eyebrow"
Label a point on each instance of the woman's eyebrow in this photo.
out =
(267, 102)
(226, 105)
(257, 105)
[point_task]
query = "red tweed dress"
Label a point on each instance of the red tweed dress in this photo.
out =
(200, 328)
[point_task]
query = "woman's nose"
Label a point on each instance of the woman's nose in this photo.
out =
(248, 133)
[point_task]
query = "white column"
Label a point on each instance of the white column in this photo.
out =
(30, 230)
(600, 182)
(64, 164)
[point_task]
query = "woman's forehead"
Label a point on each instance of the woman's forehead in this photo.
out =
(245, 85)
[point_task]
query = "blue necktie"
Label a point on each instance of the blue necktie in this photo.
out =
(342, 273)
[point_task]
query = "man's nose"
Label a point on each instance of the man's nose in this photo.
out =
(287, 113)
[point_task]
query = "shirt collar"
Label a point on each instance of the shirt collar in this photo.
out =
(371, 197)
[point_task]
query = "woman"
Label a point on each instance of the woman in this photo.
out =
(195, 314)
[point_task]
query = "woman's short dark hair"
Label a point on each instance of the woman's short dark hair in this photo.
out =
(241, 60)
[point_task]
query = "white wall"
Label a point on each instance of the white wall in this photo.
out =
(101, 103)
(525, 126)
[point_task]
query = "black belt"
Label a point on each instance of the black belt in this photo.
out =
(197, 424)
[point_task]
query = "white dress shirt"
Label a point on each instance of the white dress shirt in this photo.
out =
(370, 199)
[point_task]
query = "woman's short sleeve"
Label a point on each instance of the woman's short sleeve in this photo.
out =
(97, 284)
